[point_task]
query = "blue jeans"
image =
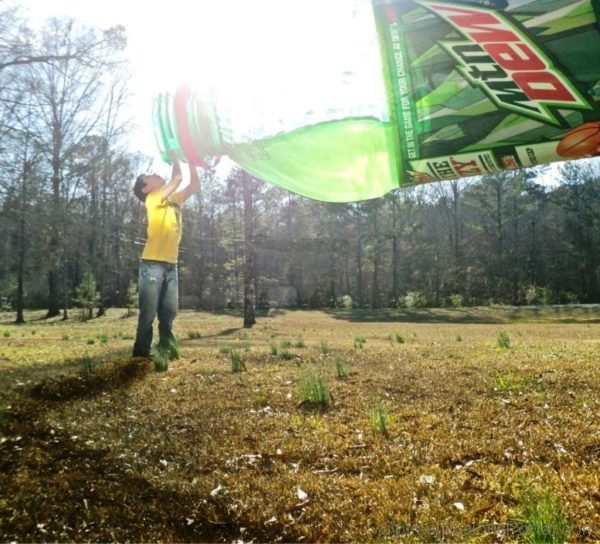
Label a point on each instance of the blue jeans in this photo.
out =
(158, 295)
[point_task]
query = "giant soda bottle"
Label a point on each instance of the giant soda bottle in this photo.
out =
(439, 90)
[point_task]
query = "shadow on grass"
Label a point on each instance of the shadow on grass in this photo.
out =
(476, 315)
(92, 379)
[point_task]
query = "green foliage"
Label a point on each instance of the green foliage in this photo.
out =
(91, 341)
(458, 338)
(161, 360)
(399, 339)
(415, 299)
(237, 365)
(313, 389)
(87, 296)
(132, 297)
(506, 381)
(345, 302)
(544, 519)
(169, 348)
(503, 340)
(285, 344)
(299, 342)
(456, 300)
(285, 355)
(102, 337)
(359, 342)
(274, 349)
(535, 294)
(6, 334)
(380, 418)
(260, 398)
(224, 350)
(341, 368)
(88, 364)
(325, 349)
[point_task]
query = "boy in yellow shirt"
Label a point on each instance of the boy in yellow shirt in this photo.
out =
(157, 283)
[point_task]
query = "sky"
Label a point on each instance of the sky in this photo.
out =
(233, 45)
(230, 44)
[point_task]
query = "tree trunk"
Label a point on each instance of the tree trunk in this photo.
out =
(249, 292)
(359, 251)
(20, 299)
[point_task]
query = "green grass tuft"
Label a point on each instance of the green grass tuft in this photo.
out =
(503, 340)
(313, 389)
(380, 418)
(325, 349)
(544, 519)
(237, 365)
(341, 368)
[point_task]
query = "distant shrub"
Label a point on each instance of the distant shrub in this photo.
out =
(87, 296)
(132, 297)
(399, 339)
(299, 342)
(537, 295)
(345, 302)
(194, 335)
(456, 300)
(415, 299)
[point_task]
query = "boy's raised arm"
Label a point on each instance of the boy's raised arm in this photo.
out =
(193, 186)
(176, 176)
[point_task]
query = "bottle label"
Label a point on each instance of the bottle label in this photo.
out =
(488, 85)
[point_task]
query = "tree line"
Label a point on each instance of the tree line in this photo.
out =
(68, 218)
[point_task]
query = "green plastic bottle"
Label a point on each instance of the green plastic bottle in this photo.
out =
(429, 90)
(320, 127)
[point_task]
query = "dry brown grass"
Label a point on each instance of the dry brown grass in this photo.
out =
(115, 451)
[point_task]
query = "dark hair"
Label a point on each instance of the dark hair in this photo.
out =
(138, 188)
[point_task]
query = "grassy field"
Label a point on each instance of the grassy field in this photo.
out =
(474, 425)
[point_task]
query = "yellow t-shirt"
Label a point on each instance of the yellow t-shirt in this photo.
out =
(164, 227)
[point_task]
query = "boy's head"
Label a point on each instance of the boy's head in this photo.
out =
(146, 183)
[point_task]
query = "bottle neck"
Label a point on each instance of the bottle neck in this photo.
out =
(187, 122)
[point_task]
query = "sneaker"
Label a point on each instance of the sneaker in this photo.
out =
(140, 354)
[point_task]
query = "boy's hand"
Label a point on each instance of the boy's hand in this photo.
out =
(174, 156)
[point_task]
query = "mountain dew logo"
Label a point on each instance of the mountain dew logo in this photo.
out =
(501, 59)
